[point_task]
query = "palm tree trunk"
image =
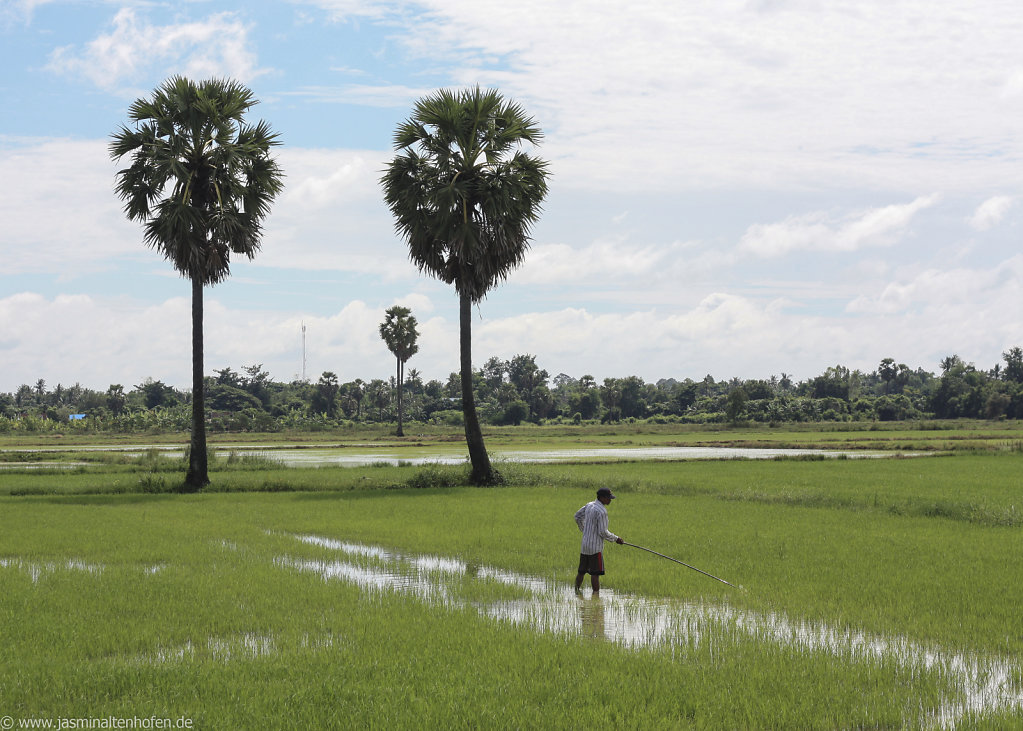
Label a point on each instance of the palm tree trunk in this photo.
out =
(400, 376)
(197, 476)
(482, 472)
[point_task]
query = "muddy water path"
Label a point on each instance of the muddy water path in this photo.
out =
(983, 684)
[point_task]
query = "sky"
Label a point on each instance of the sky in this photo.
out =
(741, 188)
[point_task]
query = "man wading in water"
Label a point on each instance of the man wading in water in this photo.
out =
(592, 521)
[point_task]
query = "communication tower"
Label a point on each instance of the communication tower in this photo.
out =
(303, 352)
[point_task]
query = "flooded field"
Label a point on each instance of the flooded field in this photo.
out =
(879, 594)
(982, 684)
(362, 455)
(349, 458)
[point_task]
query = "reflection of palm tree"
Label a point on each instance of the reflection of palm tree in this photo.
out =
(591, 613)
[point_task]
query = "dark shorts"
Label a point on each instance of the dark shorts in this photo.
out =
(591, 563)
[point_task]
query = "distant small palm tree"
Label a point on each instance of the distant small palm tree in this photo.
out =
(381, 394)
(414, 379)
(201, 181)
(464, 198)
(399, 332)
(950, 362)
(357, 391)
(887, 371)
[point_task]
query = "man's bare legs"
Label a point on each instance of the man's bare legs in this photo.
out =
(594, 582)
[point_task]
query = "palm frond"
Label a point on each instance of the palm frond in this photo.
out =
(463, 194)
(199, 178)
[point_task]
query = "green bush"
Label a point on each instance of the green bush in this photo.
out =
(450, 417)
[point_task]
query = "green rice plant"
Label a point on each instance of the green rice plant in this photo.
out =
(437, 476)
(151, 483)
(213, 627)
(236, 461)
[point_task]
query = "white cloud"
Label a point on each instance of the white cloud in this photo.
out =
(420, 304)
(19, 10)
(349, 10)
(98, 341)
(1013, 84)
(61, 213)
(725, 335)
(819, 231)
(610, 258)
(937, 289)
(731, 335)
(78, 338)
(991, 212)
(707, 94)
(133, 50)
(385, 95)
(58, 208)
(332, 215)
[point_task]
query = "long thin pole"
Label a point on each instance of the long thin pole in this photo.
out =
(683, 563)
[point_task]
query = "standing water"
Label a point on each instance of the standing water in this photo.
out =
(985, 683)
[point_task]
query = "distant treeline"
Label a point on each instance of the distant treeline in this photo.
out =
(511, 392)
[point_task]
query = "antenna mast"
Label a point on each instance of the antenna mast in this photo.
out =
(303, 352)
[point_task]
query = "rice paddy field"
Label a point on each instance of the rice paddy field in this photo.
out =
(875, 593)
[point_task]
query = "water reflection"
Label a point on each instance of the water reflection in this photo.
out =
(38, 570)
(591, 618)
(249, 646)
(294, 455)
(986, 683)
(344, 457)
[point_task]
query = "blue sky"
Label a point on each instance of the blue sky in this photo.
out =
(742, 188)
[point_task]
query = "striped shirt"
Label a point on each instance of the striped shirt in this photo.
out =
(592, 521)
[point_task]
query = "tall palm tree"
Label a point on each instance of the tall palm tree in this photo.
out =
(201, 181)
(399, 332)
(464, 197)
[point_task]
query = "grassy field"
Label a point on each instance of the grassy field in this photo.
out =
(912, 435)
(120, 599)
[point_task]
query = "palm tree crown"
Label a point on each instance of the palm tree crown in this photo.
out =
(398, 331)
(200, 179)
(462, 194)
